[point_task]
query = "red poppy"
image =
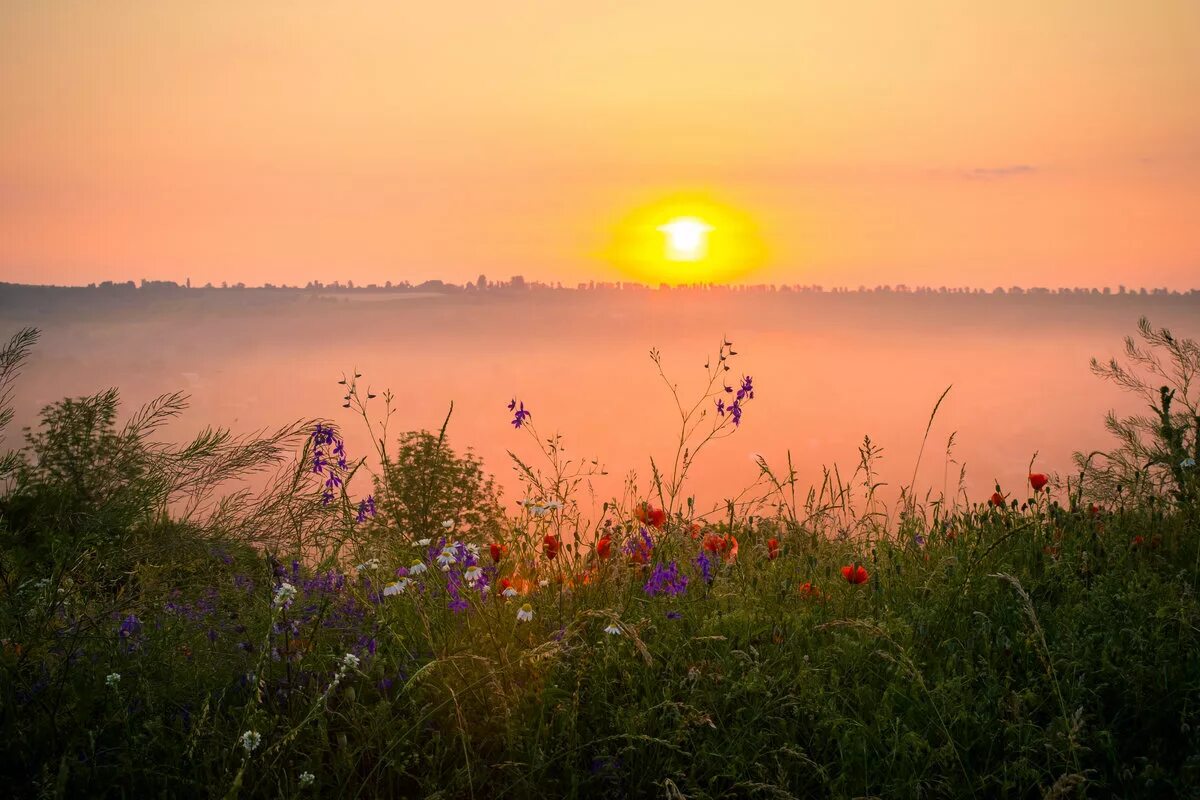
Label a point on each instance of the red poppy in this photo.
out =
(996, 500)
(695, 529)
(1094, 510)
(731, 549)
(772, 548)
(551, 544)
(808, 590)
(855, 574)
(713, 543)
(1138, 541)
(1051, 551)
(498, 551)
(649, 515)
(1037, 480)
(604, 546)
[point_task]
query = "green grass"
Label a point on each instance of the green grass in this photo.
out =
(1041, 649)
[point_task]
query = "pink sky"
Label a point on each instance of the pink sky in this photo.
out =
(924, 143)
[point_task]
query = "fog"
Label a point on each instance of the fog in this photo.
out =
(827, 370)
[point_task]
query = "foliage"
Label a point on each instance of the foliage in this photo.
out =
(1156, 454)
(162, 647)
(426, 482)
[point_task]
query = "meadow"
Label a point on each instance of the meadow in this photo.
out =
(274, 615)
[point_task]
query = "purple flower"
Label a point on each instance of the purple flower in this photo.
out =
(721, 406)
(666, 580)
(705, 564)
(520, 415)
(674, 615)
(746, 391)
(735, 411)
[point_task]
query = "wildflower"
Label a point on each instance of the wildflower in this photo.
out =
(1188, 463)
(112, 680)
(448, 557)
(284, 595)
(554, 505)
(509, 591)
(130, 627)
(735, 413)
(396, 587)
(525, 613)
(604, 546)
(731, 549)
(713, 543)
(306, 778)
(422, 542)
(551, 544)
(772, 548)
(808, 590)
(472, 574)
(746, 391)
(366, 508)
(1138, 541)
(855, 574)
(372, 563)
(721, 406)
(996, 499)
(447, 524)
(251, 740)
(1037, 480)
(417, 568)
(705, 565)
(674, 615)
(666, 580)
(544, 582)
(649, 515)
(350, 661)
(613, 629)
(497, 551)
(520, 415)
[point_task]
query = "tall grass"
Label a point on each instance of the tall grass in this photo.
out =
(368, 628)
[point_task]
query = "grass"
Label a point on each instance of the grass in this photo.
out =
(1046, 647)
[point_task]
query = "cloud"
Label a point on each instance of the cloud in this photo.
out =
(996, 173)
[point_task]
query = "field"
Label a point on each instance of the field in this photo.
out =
(380, 625)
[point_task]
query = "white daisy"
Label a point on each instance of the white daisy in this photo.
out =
(472, 574)
(350, 661)
(447, 557)
(613, 629)
(525, 613)
(554, 505)
(544, 582)
(396, 587)
(509, 592)
(417, 568)
(447, 524)
(113, 679)
(306, 778)
(423, 542)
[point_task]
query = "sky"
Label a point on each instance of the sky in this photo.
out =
(926, 143)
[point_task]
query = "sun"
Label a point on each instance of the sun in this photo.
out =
(687, 238)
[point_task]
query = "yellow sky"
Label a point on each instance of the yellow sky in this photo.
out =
(1029, 142)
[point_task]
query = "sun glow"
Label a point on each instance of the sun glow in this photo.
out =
(684, 240)
(687, 238)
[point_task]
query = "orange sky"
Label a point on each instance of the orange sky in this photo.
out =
(934, 142)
